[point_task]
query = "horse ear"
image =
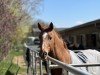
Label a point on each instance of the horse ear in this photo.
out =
(50, 27)
(39, 26)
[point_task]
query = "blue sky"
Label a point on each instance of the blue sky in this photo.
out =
(69, 13)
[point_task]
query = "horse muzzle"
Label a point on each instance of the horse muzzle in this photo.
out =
(43, 55)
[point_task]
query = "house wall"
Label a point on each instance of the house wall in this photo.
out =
(88, 35)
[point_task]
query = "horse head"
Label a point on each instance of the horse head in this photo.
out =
(46, 40)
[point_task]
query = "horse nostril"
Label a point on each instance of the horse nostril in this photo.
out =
(40, 54)
(45, 53)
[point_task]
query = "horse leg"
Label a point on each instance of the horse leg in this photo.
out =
(28, 65)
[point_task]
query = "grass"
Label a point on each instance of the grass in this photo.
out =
(16, 53)
(7, 67)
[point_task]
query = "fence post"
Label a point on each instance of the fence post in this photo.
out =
(33, 62)
(41, 72)
(48, 69)
(87, 68)
(35, 65)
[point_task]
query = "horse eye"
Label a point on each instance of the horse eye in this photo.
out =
(49, 37)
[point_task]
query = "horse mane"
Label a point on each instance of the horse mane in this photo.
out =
(58, 34)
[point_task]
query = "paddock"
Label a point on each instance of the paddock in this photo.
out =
(58, 64)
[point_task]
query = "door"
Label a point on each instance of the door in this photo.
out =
(91, 41)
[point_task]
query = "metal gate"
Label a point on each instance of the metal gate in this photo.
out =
(68, 67)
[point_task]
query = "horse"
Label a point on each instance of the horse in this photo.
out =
(52, 44)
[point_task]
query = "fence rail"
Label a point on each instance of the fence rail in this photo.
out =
(77, 65)
(68, 67)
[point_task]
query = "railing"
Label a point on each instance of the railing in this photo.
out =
(67, 67)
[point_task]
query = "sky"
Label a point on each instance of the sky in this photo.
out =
(69, 13)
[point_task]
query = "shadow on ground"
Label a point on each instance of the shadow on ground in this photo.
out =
(9, 73)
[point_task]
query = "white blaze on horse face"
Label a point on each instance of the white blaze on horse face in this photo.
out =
(44, 43)
(44, 35)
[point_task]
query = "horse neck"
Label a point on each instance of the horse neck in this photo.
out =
(60, 51)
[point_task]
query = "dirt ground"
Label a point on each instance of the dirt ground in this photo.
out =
(21, 63)
(19, 60)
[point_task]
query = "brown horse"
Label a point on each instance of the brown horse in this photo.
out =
(53, 45)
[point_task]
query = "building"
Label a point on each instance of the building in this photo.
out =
(87, 34)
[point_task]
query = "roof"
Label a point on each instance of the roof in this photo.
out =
(84, 25)
(60, 29)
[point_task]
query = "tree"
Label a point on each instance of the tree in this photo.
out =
(13, 15)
